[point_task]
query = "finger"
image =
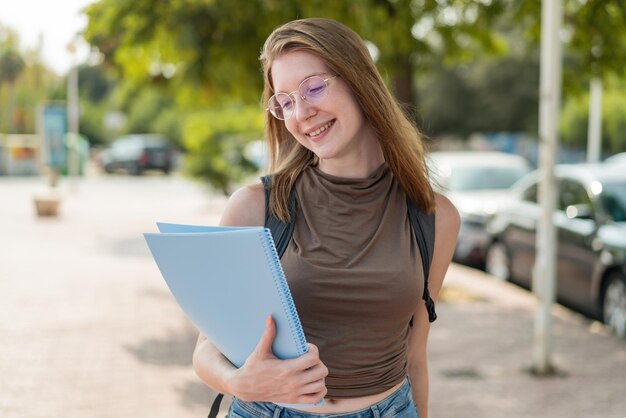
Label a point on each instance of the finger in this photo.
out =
(264, 347)
(315, 388)
(307, 360)
(317, 372)
(313, 349)
(311, 398)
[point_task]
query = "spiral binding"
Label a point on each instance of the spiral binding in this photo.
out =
(283, 290)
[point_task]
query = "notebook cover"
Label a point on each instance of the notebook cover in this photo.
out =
(227, 282)
(209, 276)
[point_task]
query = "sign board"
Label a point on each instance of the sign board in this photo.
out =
(54, 130)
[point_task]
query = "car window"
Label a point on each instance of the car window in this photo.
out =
(484, 178)
(613, 200)
(530, 194)
(572, 193)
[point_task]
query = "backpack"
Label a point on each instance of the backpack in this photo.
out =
(422, 224)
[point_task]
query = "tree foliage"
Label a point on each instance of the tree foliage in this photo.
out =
(574, 119)
(594, 34)
(216, 142)
(24, 83)
(178, 59)
(215, 44)
(489, 95)
(11, 65)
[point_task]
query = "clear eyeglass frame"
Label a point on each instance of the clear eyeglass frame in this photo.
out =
(312, 90)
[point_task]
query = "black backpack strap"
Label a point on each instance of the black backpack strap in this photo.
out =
(423, 225)
(281, 231)
(215, 408)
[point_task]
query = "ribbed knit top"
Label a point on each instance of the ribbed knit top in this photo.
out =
(355, 273)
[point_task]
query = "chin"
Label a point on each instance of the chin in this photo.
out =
(324, 153)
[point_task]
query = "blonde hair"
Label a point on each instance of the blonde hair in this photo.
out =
(345, 54)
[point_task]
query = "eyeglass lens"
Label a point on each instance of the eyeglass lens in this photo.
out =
(312, 90)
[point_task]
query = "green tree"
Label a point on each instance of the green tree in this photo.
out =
(205, 52)
(574, 119)
(496, 94)
(11, 66)
(95, 87)
(216, 142)
(24, 83)
(215, 44)
(595, 35)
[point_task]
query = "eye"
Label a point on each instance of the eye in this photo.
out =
(315, 88)
(286, 104)
(284, 101)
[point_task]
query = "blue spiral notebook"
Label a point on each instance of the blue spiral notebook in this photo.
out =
(228, 280)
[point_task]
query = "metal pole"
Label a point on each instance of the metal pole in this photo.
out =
(594, 132)
(544, 271)
(73, 115)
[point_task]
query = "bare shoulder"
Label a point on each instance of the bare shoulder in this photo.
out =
(447, 218)
(245, 207)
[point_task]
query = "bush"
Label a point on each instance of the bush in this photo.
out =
(215, 141)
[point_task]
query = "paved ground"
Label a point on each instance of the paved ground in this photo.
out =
(88, 328)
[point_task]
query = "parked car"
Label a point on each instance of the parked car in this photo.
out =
(591, 228)
(477, 183)
(137, 153)
(619, 158)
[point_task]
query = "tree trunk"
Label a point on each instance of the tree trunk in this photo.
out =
(11, 109)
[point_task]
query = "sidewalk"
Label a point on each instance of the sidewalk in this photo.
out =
(481, 353)
(88, 328)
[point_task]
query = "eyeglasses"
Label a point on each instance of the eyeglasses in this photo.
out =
(312, 90)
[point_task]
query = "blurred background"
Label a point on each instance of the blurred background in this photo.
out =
(468, 71)
(117, 114)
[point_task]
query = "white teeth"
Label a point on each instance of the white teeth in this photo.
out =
(319, 130)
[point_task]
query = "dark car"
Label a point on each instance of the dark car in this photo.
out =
(477, 182)
(591, 230)
(137, 153)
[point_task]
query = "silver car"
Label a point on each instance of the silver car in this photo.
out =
(477, 182)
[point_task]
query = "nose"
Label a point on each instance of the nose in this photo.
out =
(303, 109)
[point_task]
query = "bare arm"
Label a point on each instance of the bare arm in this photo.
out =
(263, 377)
(447, 223)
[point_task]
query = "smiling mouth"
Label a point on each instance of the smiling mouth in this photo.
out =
(319, 130)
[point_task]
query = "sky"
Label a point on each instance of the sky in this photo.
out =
(57, 21)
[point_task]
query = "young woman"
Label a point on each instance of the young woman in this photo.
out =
(341, 142)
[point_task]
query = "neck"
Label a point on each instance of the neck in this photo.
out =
(357, 163)
(357, 168)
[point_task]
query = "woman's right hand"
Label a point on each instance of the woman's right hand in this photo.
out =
(264, 377)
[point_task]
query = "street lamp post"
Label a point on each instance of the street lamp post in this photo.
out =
(544, 280)
(73, 115)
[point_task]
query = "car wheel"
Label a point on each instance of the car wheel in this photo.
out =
(614, 304)
(497, 261)
(135, 170)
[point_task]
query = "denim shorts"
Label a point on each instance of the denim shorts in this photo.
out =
(397, 405)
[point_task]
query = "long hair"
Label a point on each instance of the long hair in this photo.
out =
(345, 54)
